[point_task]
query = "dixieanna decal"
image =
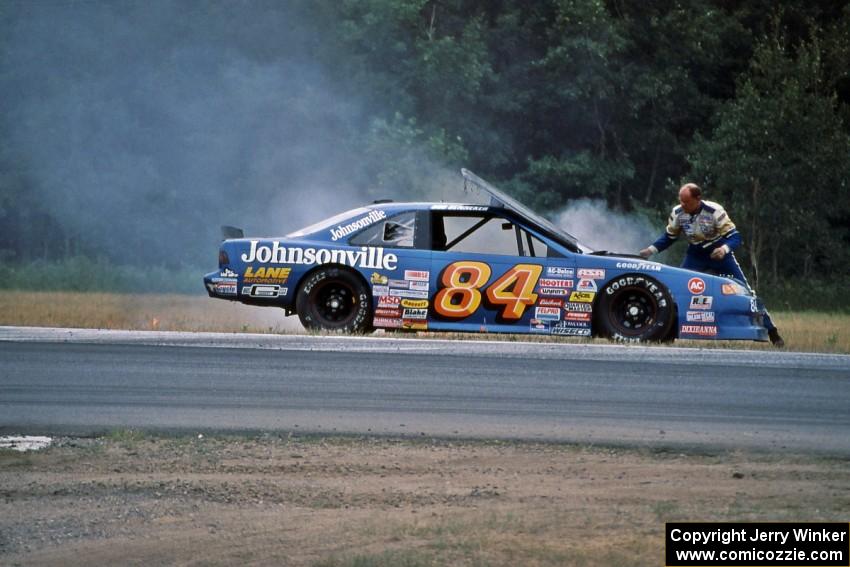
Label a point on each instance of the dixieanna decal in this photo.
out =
(702, 330)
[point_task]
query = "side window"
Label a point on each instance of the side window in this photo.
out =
(397, 231)
(533, 246)
(474, 234)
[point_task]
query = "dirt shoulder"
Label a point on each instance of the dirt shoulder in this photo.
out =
(137, 499)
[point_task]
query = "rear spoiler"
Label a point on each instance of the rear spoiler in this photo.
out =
(228, 232)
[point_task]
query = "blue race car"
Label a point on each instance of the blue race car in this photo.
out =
(477, 268)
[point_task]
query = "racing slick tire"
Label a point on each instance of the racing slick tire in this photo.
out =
(334, 299)
(635, 308)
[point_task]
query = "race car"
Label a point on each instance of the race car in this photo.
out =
(496, 267)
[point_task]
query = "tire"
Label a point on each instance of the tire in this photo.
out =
(334, 299)
(635, 308)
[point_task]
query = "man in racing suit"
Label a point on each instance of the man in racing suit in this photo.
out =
(713, 238)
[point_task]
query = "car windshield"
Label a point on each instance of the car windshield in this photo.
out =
(500, 199)
(327, 224)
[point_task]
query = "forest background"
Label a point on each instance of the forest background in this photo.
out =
(129, 131)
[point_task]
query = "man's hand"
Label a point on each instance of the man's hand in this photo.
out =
(645, 253)
(718, 253)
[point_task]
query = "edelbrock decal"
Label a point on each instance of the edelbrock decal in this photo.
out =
(368, 220)
(367, 257)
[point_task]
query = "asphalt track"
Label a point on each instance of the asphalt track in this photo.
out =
(74, 381)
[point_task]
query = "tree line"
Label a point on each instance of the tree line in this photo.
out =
(563, 99)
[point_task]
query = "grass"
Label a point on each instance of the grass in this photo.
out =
(803, 331)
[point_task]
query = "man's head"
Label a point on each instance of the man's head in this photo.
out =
(690, 197)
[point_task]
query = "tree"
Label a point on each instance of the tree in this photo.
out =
(780, 161)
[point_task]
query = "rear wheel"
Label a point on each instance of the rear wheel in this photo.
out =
(334, 299)
(635, 308)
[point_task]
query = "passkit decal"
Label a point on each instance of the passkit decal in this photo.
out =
(460, 289)
(414, 303)
(367, 257)
(696, 285)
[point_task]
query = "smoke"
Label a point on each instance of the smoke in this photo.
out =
(144, 126)
(600, 228)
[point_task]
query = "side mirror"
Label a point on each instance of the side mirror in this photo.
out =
(507, 226)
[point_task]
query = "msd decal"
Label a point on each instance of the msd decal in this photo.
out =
(388, 301)
(702, 330)
(696, 285)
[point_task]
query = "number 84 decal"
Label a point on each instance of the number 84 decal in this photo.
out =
(460, 292)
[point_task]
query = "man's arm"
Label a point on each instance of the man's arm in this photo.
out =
(665, 240)
(729, 239)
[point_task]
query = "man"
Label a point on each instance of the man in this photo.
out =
(713, 238)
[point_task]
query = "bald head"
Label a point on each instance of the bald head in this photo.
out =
(690, 197)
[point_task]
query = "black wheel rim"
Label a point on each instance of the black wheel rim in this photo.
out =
(633, 311)
(335, 303)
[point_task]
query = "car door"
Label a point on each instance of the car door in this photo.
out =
(483, 272)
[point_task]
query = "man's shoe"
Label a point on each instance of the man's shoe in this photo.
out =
(773, 335)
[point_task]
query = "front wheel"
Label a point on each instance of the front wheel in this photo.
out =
(334, 299)
(635, 308)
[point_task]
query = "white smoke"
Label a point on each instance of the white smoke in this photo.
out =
(600, 228)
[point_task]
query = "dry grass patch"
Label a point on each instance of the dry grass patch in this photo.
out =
(380, 502)
(803, 331)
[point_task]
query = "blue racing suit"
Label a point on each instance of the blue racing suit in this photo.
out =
(706, 230)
